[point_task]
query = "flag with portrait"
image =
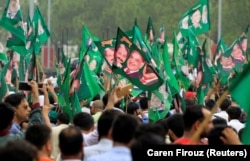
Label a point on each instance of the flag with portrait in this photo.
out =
(132, 63)
(90, 51)
(196, 18)
(12, 21)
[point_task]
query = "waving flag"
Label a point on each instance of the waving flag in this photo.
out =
(41, 31)
(239, 92)
(180, 66)
(170, 78)
(192, 53)
(196, 18)
(150, 32)
(238, 50)
(75, 103)
(134, 64)
(12, 21)
(85, 80)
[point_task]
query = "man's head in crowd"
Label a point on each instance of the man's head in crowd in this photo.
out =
(22, 108)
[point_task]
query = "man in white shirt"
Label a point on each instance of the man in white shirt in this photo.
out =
(62, 123)
(105, 140)
(234, 114)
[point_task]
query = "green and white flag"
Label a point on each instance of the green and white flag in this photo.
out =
(181, 67)
(238, 51)
(169, 75)
(240, 94)
(61, 68)
(12, 21)
(87, 81)
(90, 51)
(150, 32)
(30, 35)
(41, 30)
(196, 18)
(63, 95)
(135, 66)
(160, 104)
(76, 107)
(161, 38)
(221, 48)
(192, 53)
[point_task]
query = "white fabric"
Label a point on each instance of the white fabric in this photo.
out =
(55, 139)
(222, 114)
(236, 124)
(103, 146)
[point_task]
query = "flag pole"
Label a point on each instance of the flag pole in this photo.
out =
(207, 119)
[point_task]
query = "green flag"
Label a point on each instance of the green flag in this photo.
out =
(200, 95)
(3, 86)
(41, 31)
(169, 75)
(90, 51)
(12, 21)
(180, 66)
(161, 38)
(23, 65)
(204, 72)
(61, 68)
(63, 95)
(76, 107)
(223, 62)
(238, 89)
(196, 18)
(135, 67)
(150, 32)
(138, 40)
(86, 81)
(221, 48)
(30, 35)
(238, 51)
(32, 73)
(240, 93)
(193, 52)
(160, 104)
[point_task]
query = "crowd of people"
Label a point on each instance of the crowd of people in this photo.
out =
(104, 130)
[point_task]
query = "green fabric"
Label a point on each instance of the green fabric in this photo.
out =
(193, 53)
(178, 62)
(200, 95)
(3, 86)
(150, 32)
(63, 95)
(196, 18)
(207, 73)
(76, 107)
(172, 82)
(41, 31)
(90, 51)
(88, 82)
(138, 76)
(161, 101)
(240, 93)
(16, 38)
